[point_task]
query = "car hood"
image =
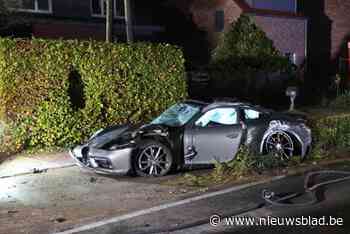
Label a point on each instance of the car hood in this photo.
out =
(124, 134)
(111, 133)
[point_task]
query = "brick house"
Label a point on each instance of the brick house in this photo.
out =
(329, 34)
(85, 19)
(278, 18)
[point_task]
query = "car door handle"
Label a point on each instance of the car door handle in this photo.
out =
(233, 135)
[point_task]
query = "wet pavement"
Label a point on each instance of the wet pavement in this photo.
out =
(24, 164)
(61, 200)
(65, 198)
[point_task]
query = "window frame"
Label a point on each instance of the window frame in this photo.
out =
(103, 13)
(36, 8)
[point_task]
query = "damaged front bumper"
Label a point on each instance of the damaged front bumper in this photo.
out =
(103, 161)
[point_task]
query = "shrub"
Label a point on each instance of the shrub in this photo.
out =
(40, 82)
(245, 45)
(244, 58)
(331, 132)
(342, 101)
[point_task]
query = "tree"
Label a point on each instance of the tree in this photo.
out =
(244, 59)
(246, 44)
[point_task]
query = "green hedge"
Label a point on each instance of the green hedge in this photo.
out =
(119, 83)
(331, 132)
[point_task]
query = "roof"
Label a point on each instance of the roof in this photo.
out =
(248, 9)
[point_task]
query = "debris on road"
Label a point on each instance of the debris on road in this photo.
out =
(12, 211)
(58, 219)
(38, 171)
(93, 180)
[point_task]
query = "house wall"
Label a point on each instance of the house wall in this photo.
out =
(203, 15)
(288, 34)
(71, 9)
(339, 14)
(72, 19)
(71, 30)
(328, 33)
(95, 31)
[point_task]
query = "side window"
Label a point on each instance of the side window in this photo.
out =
(219, 116)
(250, 114)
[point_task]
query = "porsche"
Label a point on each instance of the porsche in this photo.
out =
(193, 133)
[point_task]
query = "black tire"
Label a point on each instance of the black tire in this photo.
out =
(153, 159)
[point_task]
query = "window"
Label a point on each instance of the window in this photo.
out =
(177, 115)
(219, 116)
(98, 8)
(276, 5)
(219, 20)
(38, 6)
(250, 114)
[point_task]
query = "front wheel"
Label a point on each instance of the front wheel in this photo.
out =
(153, 159)
(280, 145)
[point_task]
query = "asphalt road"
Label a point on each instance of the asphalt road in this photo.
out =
(336, 204)
(194, 217)
(64, 198)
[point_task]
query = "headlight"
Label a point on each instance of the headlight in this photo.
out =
(96, 133)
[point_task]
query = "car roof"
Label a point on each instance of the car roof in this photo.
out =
(226, 102)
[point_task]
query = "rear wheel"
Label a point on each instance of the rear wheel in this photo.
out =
(153, 159)
(280, 145)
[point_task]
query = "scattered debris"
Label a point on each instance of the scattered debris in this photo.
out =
(183, 191)
(12, 211)
(93, 180)
(58, 219)
(38, 171)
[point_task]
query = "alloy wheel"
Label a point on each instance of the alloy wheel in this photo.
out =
(154, 161)
(280, 144)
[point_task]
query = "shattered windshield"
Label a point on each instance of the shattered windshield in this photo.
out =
(177, 115)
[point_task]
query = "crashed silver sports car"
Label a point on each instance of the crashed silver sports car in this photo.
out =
(193, 133)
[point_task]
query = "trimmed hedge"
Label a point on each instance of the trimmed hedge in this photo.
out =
(331, 132)
(40, 81)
